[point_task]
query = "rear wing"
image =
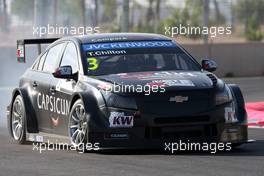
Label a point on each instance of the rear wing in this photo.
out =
(21, 54)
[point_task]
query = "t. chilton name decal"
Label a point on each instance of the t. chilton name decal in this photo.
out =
(53, 104)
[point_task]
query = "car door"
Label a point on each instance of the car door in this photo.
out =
(37, 82)
(44, 104)
(63, 90)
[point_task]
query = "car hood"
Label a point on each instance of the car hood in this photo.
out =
(168, 79)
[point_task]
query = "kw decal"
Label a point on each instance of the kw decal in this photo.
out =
(120, 120)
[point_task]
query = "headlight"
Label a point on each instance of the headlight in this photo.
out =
(224, 96)
(119, 101)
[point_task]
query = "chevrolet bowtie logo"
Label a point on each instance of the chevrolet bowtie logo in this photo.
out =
(179, 99)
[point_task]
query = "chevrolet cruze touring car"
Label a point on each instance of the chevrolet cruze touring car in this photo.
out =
(123, 90)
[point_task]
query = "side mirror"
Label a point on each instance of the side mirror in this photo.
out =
(64, 72)
(209, 65)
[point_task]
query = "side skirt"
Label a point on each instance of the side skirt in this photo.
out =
(48, 138)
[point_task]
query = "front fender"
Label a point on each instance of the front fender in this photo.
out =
(93, 103)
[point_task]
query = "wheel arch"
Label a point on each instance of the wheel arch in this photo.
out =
(93, 103)
(90, 99)
(238, 96)
(31, 119)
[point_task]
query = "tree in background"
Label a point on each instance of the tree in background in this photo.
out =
(23, 8)
(136, 24)
(40, 13)
(112, 14)
(109, 10)
(54, 11)
(190, 15)
(206, 13)
(195, 13)
(125, 16)
(252, 14)
(153, 15)
(219, 18)
(83, 10)
(157, 15)
(151, 22)
(150, 14)
(95, 22)
(71, 12)
(5, 17)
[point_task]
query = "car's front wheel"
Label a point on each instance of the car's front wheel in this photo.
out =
(18, 116)
(78, 124)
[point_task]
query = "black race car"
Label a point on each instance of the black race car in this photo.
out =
(124, 90)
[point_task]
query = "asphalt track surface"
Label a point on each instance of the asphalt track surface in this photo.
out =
(248, 160)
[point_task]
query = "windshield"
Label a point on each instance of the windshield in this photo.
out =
(138, 59)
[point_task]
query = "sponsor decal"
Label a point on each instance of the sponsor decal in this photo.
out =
(119, 135)
(35, 138)
(131, 45)
(20, 51)
(120, 120)
(39, 139)
(55, 121)
(157, 83)
(53, 104)
(31, 138)
(174, 82)
(106, 52)
(179, 99)
(156, 75)
(116, 136)
(108, 39)
(93, 63)
(230, 115)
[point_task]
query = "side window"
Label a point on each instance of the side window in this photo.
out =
(159, 60)
(52, 58)
(35, 65)
(184, 62)
(41, 61)
(70, 57)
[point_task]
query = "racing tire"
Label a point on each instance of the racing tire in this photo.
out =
(240, 108)
(18, 120)
(240, 102)
(78, 126)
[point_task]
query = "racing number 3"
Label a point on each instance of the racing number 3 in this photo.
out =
(93, 65)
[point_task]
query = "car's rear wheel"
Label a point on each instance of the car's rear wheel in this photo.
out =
(18, 120)
(78, 124)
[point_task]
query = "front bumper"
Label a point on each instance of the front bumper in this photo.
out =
(151, 132)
